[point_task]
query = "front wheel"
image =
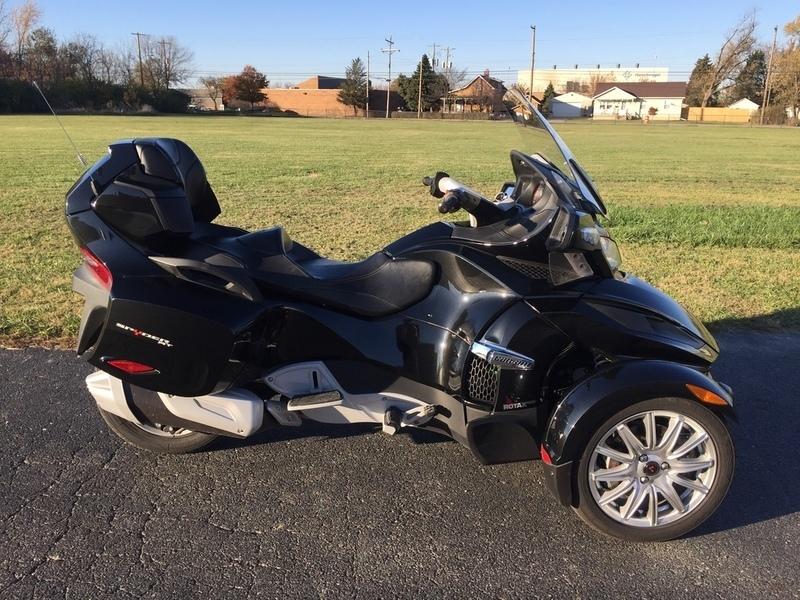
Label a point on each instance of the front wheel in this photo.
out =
(655, 470)
(156, 438)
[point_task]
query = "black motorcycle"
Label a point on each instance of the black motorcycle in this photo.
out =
(516, 333)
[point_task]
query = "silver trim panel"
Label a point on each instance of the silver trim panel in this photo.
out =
(502, 357)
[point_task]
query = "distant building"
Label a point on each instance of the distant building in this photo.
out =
(318, 96)
(570, 106)
(745, 104)
(653, 100)
(482, 94)
(584, 79)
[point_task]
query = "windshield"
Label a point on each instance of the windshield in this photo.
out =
(538, 138)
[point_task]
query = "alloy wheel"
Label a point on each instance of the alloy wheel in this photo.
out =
(653, 468)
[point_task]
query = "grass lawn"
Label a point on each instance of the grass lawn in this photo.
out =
(710, 214)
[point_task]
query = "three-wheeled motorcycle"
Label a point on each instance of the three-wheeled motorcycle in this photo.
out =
(516, 332)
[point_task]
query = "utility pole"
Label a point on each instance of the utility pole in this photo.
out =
(366, 114)
(533, 57)
(390, 50)
(433, 58)
(139, 45)
(767, 91)
(419, 93)
(164, 71)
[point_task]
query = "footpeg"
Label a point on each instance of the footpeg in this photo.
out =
(394, 419)
(418, 416)
(312, 401)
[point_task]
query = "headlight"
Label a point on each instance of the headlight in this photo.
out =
(611, 253)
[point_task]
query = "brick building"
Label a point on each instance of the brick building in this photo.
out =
(318, 96)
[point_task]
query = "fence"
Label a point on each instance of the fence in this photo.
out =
(719, 115)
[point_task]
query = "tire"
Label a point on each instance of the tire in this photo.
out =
(637, 504)
(148, 437)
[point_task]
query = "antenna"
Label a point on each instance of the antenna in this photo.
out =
(81, 159)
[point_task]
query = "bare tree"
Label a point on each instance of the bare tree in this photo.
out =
(5, 26)
(166, 62)
(213, 86)
(455, 77)
(729, 60)
(23, 20)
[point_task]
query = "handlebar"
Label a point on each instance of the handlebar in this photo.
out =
(456, 195)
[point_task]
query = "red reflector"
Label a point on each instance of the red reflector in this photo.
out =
(130, 366)
(545, 455)
(98, 268)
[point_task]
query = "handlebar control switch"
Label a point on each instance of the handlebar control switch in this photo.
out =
(450, 203)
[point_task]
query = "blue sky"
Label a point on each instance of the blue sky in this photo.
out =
(290, 40)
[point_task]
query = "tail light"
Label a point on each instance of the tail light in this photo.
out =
(100, 271)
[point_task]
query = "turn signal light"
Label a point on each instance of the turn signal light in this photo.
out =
(706, 396)
(130, 366)
(98, 268)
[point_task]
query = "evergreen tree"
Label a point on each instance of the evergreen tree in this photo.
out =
(353, 91)
(703, 70)
(547, 99)
(749, 83)
(434, 86)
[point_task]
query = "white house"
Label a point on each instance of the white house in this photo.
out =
(655, 100)
(745, 104)
(570, 106)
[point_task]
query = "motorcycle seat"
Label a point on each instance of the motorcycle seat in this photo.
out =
(377, 286)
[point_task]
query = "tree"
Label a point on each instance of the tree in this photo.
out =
(165, 62)
(697, 81)
(547, 99)
(455, 77)
(728, 60)
(23, 19)
(228, 89)
(249, 84)
(5, 27)
(354, 88)
(434, 86)
(213, 86)
(749, 83)
(786, 79)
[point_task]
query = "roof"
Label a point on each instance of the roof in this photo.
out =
(645, 89)
(567, 96)
(321, 82)
(744, 103)
(496, 84)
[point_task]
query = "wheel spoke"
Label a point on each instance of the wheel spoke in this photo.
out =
(634, 501)
(672, 433)
(691, 465)
(617, 473)
(614, 454)
(693, 442)
(650, 430)
(653, 508)
(670, 495)
(616, 493)
(691, 484)
(632, 443)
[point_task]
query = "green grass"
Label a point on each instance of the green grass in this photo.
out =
(711, 214)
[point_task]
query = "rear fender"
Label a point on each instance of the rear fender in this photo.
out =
(576, 418)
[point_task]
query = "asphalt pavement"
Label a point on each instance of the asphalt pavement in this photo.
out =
(350, 512)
